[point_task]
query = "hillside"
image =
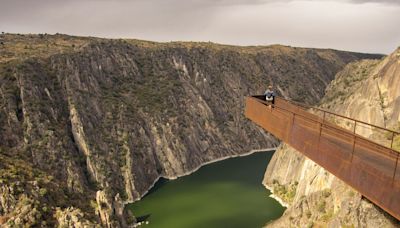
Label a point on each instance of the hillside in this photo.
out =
(366, 90)
(89, 124)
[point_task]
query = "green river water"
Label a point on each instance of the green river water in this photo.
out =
(227, 193)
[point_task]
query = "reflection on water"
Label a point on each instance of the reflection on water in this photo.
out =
(228, 193)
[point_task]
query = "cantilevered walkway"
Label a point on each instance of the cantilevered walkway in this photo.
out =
(368, 165)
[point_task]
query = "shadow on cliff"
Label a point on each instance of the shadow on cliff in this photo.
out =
(143, 218)
(158, 185)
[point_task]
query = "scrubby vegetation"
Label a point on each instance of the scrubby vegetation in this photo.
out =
(111, 116)
(285, 192)
(344, 84)
(33, 195)
(20, 47)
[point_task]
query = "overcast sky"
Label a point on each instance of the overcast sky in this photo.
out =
(355, 25)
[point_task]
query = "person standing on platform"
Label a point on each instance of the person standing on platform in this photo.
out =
(270, 95)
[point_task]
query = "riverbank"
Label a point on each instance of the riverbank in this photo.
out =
(222, 194)
(277, 198)
(197, 168)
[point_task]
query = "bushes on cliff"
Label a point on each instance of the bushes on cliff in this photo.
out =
(285, 192)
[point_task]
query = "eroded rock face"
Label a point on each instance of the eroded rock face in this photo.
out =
(106, 118)
(30, 197)
(360, 91)
(72, 217)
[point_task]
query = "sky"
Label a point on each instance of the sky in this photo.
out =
(371, 26)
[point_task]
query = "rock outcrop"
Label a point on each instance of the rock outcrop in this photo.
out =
(71, 217)
(106, 118)
(367, 90)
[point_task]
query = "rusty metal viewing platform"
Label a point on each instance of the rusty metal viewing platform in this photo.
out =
(369, 165)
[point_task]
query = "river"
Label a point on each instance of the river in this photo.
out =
(227, 193)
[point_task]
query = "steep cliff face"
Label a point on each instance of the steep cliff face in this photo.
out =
(367, 90)
(106, 118)
(30, 197)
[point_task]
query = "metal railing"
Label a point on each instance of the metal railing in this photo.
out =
(356, 122)
(369, 167)
(324, 123)
(393, 133)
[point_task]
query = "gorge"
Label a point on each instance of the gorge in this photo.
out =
(89, 124)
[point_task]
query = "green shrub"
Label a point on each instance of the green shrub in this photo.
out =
(286, 192)
(42, 192)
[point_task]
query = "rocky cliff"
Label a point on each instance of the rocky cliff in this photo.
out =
(89, 124)
(366, 90)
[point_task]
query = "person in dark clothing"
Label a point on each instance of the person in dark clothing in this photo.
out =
(270, 95)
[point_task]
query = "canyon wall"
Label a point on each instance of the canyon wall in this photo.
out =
(366, 90)
(98, 121)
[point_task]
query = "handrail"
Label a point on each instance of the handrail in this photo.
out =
(395, 154)
(367, 165)
(332, 113)
(323, 123)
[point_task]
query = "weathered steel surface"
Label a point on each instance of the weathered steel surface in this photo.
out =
(368, 167)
